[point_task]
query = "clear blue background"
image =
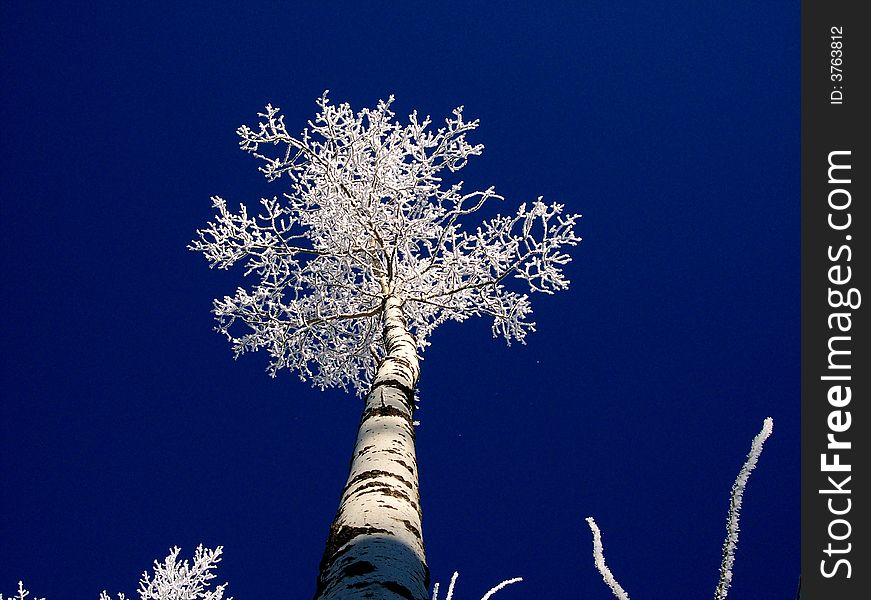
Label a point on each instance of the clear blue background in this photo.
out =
(127, 428)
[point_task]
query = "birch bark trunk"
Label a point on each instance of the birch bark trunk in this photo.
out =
(375, 545)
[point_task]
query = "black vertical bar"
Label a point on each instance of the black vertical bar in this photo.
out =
(836, 365)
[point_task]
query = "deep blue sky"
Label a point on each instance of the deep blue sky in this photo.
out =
(127, 428)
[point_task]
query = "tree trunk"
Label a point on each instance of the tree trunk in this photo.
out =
(375, 545)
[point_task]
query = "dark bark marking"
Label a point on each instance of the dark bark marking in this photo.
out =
(364, 448)
(379, 488)
(338, 546)
(385, 411)
(391, 586)
(340, 536)
(410, 526)
(400, 360)
(358, 568)
(376, 473)
(407, 392)
(398, 589)
(404, 464)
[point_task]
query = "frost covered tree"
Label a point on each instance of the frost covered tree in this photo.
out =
(355, 265)
(180, 580)
(172, 579)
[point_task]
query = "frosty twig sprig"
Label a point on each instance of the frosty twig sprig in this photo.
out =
(486, 596)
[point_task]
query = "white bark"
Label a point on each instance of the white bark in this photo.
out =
(375, 546)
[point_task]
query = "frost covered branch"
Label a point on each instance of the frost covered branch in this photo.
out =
(599, 559)
(487, 596)
(22, 593)
(369, 215)
(174, 580)
(731, 543)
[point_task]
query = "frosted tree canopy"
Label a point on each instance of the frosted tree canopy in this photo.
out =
(368, 216)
